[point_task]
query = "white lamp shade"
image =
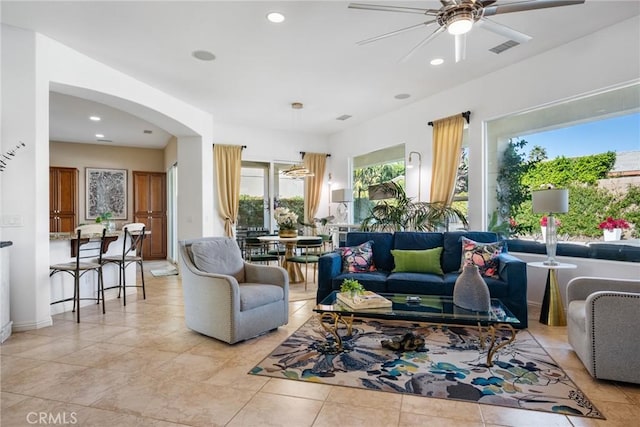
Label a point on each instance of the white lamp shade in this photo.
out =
(341, 195)
(554, 200)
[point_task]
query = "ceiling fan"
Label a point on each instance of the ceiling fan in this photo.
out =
(459, 16)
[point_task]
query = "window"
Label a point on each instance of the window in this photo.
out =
(374, 168)
(288, 192)
(254, 196)
(258, 192)
(566, 133)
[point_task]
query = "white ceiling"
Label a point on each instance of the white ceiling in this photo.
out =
(261, 67)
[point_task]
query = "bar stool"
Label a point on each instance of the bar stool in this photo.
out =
(87, 250)
(131, 254)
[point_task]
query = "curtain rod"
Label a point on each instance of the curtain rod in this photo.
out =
(466, 115)
(243, 146)
(304, 152)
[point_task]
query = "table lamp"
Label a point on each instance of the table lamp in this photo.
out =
(548, 202)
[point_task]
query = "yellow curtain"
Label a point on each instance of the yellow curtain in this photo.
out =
(447, 143)
(316, 163)
(228, 161)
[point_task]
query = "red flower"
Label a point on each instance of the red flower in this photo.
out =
(544, 220)
(609, 224)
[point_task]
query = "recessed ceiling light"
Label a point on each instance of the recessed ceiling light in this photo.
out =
(94, 118)
(203, 55)
(99, 135)
(275, 17)
(437, 61)
(402, 96)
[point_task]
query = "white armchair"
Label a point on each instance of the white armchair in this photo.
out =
(603, 316)
(226, 298)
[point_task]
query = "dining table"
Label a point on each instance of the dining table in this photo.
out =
(293, 268)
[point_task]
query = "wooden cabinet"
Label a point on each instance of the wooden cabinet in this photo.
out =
(150, 208)
(63, 199)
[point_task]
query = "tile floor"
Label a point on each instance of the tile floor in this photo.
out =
(140, 366)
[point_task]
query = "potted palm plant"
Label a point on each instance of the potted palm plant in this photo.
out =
(401, 213)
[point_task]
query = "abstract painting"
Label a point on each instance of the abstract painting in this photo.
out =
(106, 192)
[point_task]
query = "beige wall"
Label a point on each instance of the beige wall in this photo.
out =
(171, 153)
(81, 156)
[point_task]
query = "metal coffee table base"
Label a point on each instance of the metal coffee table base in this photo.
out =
(331, 323)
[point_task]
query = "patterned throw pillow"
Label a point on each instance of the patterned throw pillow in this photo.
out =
(359, 258)
(484, 255)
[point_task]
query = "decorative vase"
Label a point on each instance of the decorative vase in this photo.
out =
(470, 290)
(610, 235)
(288, 233)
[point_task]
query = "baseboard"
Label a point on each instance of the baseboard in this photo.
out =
(6, 331)
(29, 326)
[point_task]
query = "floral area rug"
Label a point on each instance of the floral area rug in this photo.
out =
(450, 365)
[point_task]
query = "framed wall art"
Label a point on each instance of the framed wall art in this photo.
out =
(106, 192)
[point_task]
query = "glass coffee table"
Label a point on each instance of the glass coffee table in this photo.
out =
(432, 309)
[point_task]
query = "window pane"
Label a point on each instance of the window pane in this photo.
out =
(253, 197)
(372, 168)
(289, 192)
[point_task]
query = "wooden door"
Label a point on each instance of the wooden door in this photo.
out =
(63, 199)
(150, 208)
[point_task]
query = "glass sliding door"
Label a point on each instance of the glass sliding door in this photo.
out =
(254, 212)
(288, 192)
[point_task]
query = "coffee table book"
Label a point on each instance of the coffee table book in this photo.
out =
(366, 300)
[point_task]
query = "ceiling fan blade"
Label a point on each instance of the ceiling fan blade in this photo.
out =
(461, 47)
(396, 32)
(527, 5)
(381, 8)
(503, 30)
(422, 43)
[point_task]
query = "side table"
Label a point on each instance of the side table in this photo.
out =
(552, 312)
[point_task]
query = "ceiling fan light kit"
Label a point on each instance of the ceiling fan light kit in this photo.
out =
(458, 18)
(460, 23)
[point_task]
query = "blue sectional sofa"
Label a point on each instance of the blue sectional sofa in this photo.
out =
(510, 287)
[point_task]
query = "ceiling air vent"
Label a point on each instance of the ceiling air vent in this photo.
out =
(504, 46)
(343, 117)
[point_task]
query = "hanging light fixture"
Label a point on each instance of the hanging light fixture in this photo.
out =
(297, 171)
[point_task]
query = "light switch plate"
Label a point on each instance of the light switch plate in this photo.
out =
(9, 220)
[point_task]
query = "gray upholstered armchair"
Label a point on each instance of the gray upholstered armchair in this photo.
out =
(226, 298)
(602, 320)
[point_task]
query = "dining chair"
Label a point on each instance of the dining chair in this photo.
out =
(310, 251)
(134, 234)
(87, 249)
(258, 251)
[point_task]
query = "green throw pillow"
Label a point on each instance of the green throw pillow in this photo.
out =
(417, 261)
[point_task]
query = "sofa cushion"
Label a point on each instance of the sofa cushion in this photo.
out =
(253, 295)
(453, 246)
(219, 256)
(577, 316)
(417, 240)
(417, 261)
(418, 283)
(497, 288)
(483, 255)
(375, 281)
(382, 245)
(358, 258)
